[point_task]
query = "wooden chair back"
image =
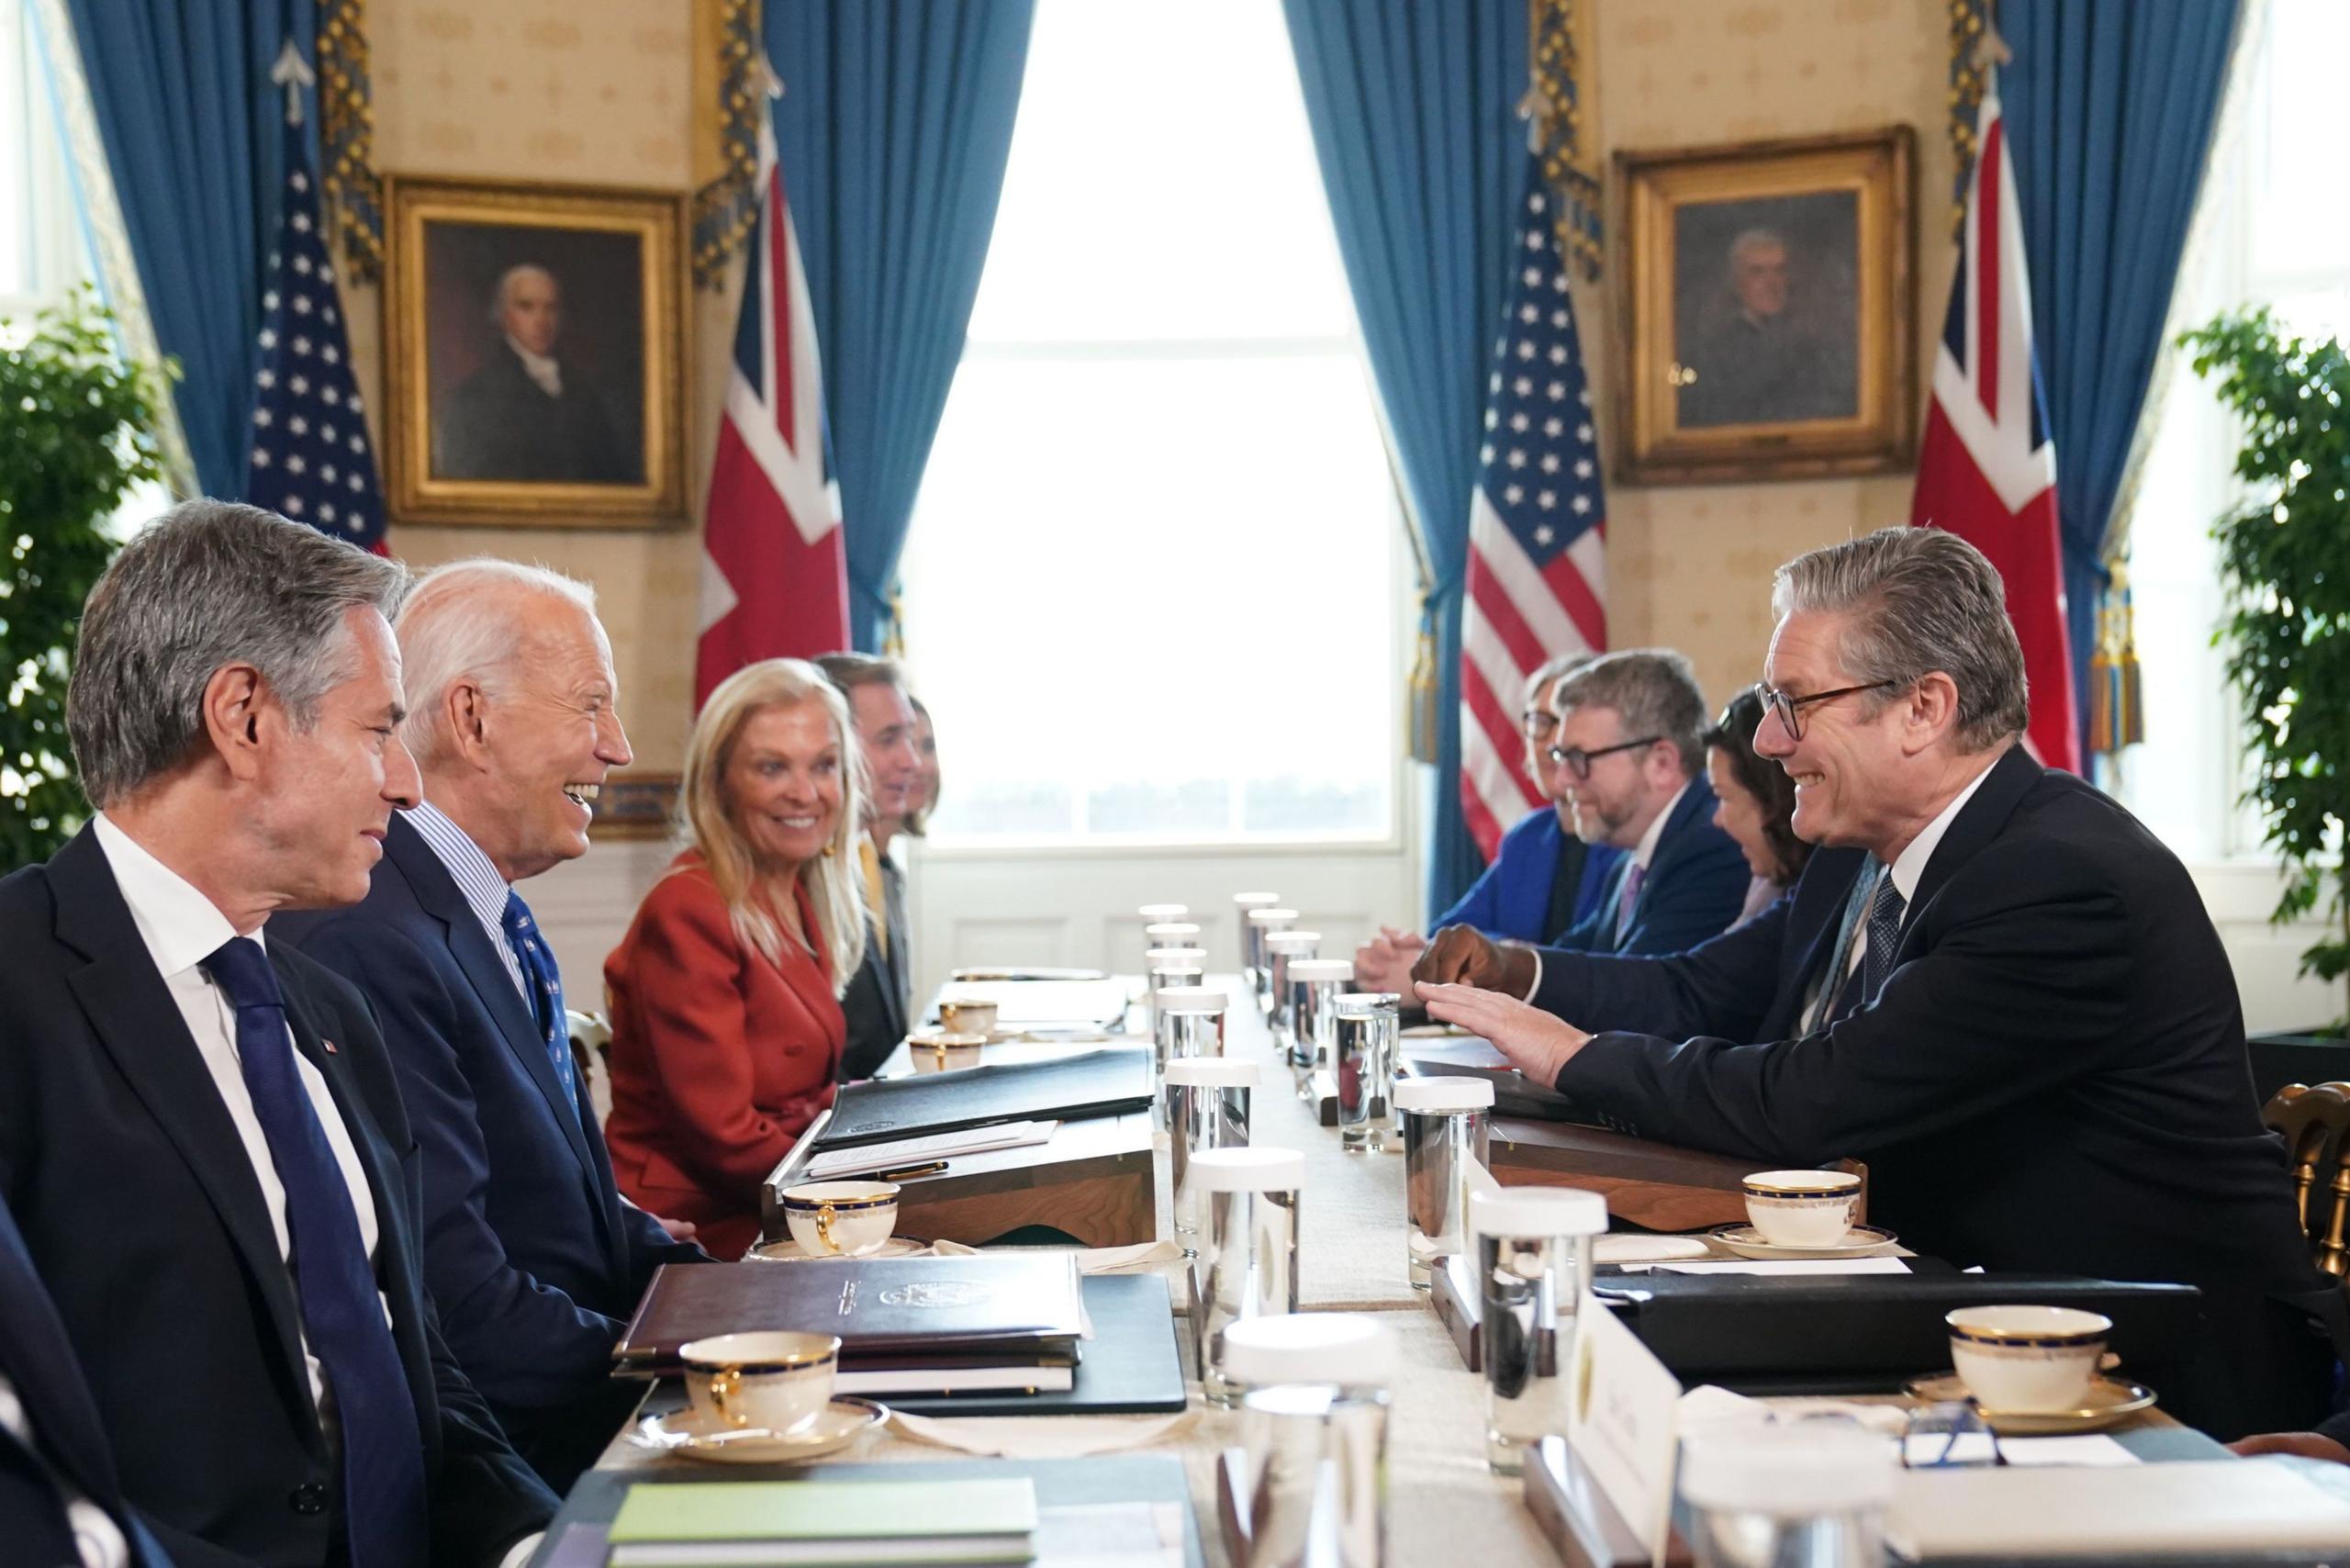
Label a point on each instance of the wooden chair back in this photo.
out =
(591, 1052)
(2315, 1123)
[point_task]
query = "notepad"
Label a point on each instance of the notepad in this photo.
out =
(2135, 1513)
(753, 1524)
(919, 1150)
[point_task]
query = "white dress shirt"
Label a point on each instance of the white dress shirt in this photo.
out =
(539, 367)
(476, 878)
(97, 1537)
(182, 928)
(1910, 866)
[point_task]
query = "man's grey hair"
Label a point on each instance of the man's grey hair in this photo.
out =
(206, 585)
(1554, 670)
(1753, 239)
(505, 281)
(1654, 691)
(1915, 601)
(850, 671)
(459, 624)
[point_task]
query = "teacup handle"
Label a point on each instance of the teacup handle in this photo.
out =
(723, 1384)
(824, 1228)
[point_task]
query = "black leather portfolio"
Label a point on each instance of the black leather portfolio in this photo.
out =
(1129, 1367)
(1107, 1083)
(1845, 1333)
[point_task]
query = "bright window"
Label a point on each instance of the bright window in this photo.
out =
(1151, 582)
(40, 252)
(2268, 233)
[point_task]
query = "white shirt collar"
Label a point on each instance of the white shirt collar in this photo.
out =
(1647, 851)
(539, 367)
(1910, 865)
(180, 925)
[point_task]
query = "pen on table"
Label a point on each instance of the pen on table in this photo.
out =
(935, 1167)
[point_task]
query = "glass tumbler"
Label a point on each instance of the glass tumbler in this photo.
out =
(1247, 1265)
(1205, 1099)
(1444, 1123)
(1363, 1033)
(1534, 1253)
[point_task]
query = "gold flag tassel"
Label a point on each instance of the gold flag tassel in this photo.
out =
(354, 192)
(726, 207)
(1561, 108)
(1424, 692)
(893, 636)
(2117, 717)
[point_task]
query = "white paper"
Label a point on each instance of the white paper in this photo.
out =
(1789, 1266)
(1620, 1421)
(922, 1150)
(1927, 1449)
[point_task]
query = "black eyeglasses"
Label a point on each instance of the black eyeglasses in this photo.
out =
(1950, 1436)
(1537, 723)
(1577, 761)
(1790, 709)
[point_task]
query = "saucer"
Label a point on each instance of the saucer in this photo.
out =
(787, 1251)
(688, 1432)
(1746, 1241)
(2108, 1400)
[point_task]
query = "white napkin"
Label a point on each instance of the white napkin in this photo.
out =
(1090, 1259)
(1040, 1437)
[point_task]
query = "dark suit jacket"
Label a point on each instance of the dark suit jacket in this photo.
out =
(499, 424)
(141, 1208)
(878, 1003)
(1696, 887)
(39, 1363)
(2052, 1078)
(532, 1259)
(1512, 901)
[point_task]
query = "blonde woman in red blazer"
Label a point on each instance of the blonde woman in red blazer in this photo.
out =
(725, 994)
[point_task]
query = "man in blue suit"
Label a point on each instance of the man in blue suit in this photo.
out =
(61, 1502)
(532, 1257)
(1631, 760)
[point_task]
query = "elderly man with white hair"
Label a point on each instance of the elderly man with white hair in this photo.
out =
(529, 413)
(534, 1259)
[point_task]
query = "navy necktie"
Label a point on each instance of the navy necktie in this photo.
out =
(545, 983)
(1885, 935)
(343, 1318)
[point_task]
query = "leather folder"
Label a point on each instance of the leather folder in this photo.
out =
(1107, 1083)
(1819, 1333)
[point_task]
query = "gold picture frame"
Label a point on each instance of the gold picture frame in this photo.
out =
(1767, 328)
(535, 343)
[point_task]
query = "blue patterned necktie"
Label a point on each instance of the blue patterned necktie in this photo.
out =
(1885, 935)
(545, 983)
(342, 1317)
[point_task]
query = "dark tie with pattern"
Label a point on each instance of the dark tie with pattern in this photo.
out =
(1626, 901)
(545, 983)
(1885, 935)
(342, 1317)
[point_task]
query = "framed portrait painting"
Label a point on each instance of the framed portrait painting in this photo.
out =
(535, 340)
(1768, 310)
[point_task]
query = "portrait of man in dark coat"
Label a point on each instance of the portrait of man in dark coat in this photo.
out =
(529, 412)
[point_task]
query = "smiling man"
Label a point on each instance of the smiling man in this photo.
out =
(534, 1261)
(201, 1137)
(1991, 983)
(880, 998)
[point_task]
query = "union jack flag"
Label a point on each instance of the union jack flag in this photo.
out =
(307, 455)
(1986, 470)
(1537, 577)
(774, 579)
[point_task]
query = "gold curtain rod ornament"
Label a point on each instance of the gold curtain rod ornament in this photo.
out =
(1564, 125)
(354, 191)
(725, 209)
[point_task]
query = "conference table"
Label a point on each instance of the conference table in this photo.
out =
(1446, 1504)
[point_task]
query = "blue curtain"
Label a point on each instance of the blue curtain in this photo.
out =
(892, 130)
(191, 125)
(2109, 109)
(1414, 112)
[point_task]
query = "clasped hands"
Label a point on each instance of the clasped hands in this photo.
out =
(1466, 978)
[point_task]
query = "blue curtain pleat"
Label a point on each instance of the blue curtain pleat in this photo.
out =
(2111, 105)
(190, 120)
(893, 130)
(1414, 113)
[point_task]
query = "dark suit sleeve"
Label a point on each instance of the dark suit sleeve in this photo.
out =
(2020, 988)
(2337, 1427)
(650, 1247)
(1721, 987)
(1705, 891)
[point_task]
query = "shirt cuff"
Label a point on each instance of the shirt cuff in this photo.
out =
(1530, 990)
(520, 1552)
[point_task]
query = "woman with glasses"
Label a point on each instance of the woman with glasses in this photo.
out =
(1754, 804)
(1544, 881)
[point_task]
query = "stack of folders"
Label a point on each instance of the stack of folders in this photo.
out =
(750, 1524)
(994, 1324)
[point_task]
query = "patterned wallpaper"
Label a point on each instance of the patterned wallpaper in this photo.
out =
(588, 92)
(1690, 565)
(604, 91)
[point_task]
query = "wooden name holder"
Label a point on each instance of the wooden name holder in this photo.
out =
(1656, 1186)
(1093, 1180)
(1579, 1520)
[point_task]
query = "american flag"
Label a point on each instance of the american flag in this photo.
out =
(1986, 470)
(774, 579)
(1537, 527)
(307, 455)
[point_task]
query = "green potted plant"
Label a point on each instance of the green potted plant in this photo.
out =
(2285, 564)
(76, 433)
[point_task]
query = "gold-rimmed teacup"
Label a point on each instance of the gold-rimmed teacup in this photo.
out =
(944, 1050)
(841, 1219)
(966, 1015)
(775, 1380)
(2027, 1360)
(1802, 1208)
